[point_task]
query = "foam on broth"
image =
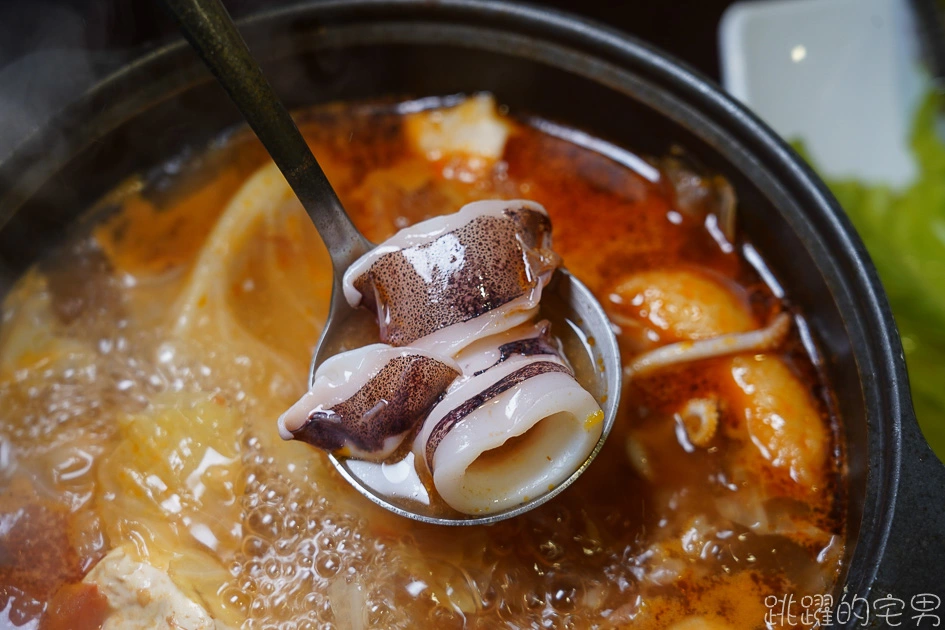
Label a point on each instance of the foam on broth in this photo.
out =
(118, 430)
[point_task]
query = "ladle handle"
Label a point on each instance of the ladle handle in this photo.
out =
(212, 33)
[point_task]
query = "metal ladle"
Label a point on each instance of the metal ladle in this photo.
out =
(211, 32)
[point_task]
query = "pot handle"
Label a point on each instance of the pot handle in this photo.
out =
(913, 562)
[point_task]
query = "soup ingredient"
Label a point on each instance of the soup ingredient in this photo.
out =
(529, 340)
(702, 537)
(700, 623)
(78, 606)
(771, 414)
(704, 197)
(364, 402)
(170, 492)
(141, 597)
(32, 567)
(509, 431)
(662, 305)
(449, 280)
(904, 231)
(673, 316)
(700, 418)
(262, 245)
(471, 131)
(782, 421)
(761, 340)
(517, 423)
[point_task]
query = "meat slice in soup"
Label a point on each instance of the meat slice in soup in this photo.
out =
(364, 402)
(445, 282)
(512, 432)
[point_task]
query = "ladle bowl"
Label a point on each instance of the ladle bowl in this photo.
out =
(209, 29)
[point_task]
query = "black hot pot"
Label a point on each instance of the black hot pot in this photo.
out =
(564, 68)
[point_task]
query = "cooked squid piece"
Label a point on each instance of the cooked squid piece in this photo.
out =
(364, 402)
(528, 340)
(445, 282)
(511, 433)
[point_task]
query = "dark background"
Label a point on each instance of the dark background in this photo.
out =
(684, 27)
(50, 50)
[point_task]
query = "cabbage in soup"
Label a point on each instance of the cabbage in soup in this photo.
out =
(144, 363)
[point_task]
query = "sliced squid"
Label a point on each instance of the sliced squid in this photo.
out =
(509, 434)
(529, 340)
(445, 282)
(364, 402)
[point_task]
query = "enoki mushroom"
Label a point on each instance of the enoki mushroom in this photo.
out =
(760, 340)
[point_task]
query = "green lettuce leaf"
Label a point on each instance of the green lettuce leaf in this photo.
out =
(904, 231)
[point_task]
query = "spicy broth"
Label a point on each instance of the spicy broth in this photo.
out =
(124, 424)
